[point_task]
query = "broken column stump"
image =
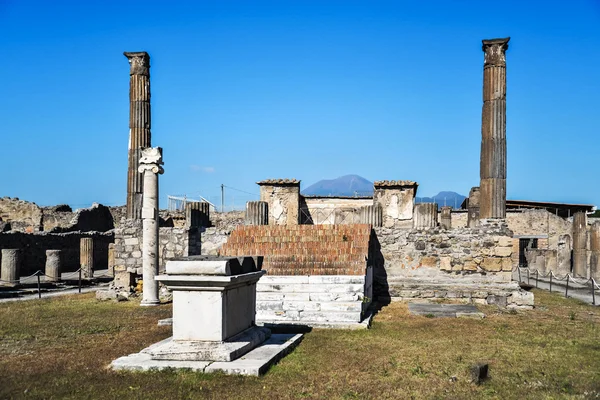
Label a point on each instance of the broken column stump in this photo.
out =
(11, 266)
(257, 213)
(86, 257)
(425, 216)
(372, 215)
(53, 266)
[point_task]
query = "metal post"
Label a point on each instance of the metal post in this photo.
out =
(39, 287)
(537, 273)
(222, 197)
(79, 280)
(550, 281)
(519, 269)
(567, 289)
(528, 276)
(593, 292)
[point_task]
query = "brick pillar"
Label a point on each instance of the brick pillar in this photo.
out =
(446, 217)
(595, 248)
(493, 130)
(53, 265)
(257, 213)
(11, 266)
(139, 127)
(425, 216)
(86, 257)
(579, 244)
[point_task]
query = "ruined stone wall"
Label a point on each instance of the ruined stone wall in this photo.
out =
(23, 216)
(405, 253)
(283, 200)
(335, 210)
(538, 222)
(173, 242)
(34, 245)
(397, 200)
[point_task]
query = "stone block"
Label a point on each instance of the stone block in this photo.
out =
(336, 279)
(338, 306)
(479, 373)
(330, 316)
(301, 306)
(323, 297)
(507, 264)
(505, 241)
(132, 242)
(268, 305)
(470, 266)
(521, 298)
(446, 263)
(503, 251)
(284, 279)
(429, 261)
(491, 264)
(500, 301)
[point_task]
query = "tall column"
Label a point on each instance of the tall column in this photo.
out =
(446, 217)
(11, 265)
(86, 257)
(580, 244)
(150, 166)
(595, 248)
(493, 130)
(52, 265)
(139, 127)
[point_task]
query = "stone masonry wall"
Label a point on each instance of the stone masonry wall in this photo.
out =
(283, 200)
(34, 245)
(23, 216)
(415, 252)
(173, 242)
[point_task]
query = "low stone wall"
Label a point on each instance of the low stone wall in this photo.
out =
(173, 242)
(34, 245)
(313, 300)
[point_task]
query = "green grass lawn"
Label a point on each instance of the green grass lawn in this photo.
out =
(60, 348)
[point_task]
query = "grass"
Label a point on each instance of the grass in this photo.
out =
(59, 349)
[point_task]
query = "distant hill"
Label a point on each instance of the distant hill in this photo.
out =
(452, 199)
(348, 185)
(354, 185)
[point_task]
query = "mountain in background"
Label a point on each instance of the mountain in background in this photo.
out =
(451, 199)
(348, 185)
(354, 185)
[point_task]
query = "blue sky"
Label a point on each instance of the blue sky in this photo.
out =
(248, 90)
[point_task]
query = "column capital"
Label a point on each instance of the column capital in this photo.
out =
(151, 160)
(495, 51)
(139, 62)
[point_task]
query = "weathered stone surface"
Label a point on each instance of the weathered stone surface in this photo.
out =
(397, 200)
(257, 213)
(139, 127)
(11, 266)
(53, 265)
(86, 257)
(479, 373)
(283, 199)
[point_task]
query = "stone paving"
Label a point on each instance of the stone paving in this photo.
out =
(444, 310)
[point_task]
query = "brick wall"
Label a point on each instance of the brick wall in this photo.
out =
(304, 249)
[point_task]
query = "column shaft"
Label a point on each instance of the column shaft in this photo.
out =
(595, 249)
(86, 257)
(139, 128)
(11, 266)
(579, 244)
(53, 266)
(493, 131)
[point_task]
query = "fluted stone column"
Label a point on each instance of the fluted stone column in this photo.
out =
(139, 127)
(257, 213)
(53, 266)
(493, 130)
(579, 244)
(197, 213)
(11, 266)
(473, 207)
(86, 257)
(151, 166)
(595, 249)
(446, 217)
(425, 216)
(372, 214)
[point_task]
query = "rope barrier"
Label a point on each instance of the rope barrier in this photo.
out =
(576, 283)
